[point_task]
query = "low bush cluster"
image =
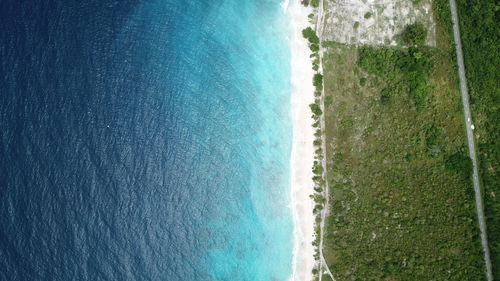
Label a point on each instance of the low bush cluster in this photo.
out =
(406, 71)
(414, 34)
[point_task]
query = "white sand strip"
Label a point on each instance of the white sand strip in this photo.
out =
(302, 148)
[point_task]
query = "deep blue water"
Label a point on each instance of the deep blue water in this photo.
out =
(144, 140)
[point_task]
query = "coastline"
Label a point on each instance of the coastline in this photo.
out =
(302, 155)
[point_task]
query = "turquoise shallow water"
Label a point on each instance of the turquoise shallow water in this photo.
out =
(145, 140)
(261, 61)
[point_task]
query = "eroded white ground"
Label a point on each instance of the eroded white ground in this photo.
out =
(345, 20)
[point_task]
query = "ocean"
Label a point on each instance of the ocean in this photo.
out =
(145, 140)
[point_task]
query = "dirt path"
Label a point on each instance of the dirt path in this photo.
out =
(470, 139)
(323, 265)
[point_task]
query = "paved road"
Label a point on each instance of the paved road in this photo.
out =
(470, 139)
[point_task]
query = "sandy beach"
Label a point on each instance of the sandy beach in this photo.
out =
(302, 149)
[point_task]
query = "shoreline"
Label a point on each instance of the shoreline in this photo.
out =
(302, 155)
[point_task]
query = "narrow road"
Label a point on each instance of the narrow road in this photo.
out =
(470, 139)
(323, 265)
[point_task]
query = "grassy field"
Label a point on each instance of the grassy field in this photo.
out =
(402, 202)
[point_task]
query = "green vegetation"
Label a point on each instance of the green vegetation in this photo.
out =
(315, 109)
(406, 69)
(318, 170)
(479, 31)
(317, 142)
(311, 18)
(318, 81)
(327, 44)
(401, 199)
(310, 35)
(314, 47)
(460, 163)
(414, 34)
(362, 81)
(368, 15)
(315, 3)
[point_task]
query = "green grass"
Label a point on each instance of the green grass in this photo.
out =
(402, 202)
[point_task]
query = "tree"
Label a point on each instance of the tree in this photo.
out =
(310, 35)
(459, 163)
(315, 109)
(414, 34)
(318, 80)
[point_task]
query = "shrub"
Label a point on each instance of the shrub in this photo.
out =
(315, 3)
(318, 170)
(328, 101)
(408, 71)
(419, 95)
(318, 81)
(310, 35)
(368, 15)
(414, 34)
(459, 163)
(385, 98)
(375, 60)
(362, 81)
(314, 47)
(317, 178)
(432, 134)
(315, 109)
(318, 189)
(332, 44)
